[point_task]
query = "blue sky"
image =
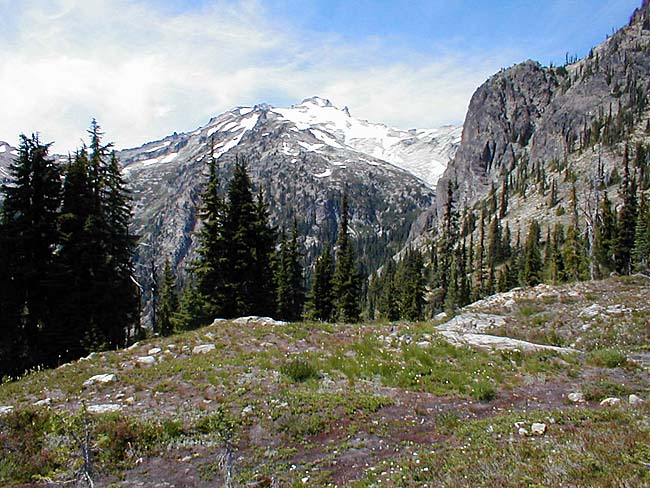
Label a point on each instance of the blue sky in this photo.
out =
(146, 68)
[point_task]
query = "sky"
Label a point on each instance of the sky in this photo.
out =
(147, 68)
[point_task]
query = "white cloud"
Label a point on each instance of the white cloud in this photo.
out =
(144, 73)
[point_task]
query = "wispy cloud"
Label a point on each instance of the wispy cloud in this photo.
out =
(145, 71)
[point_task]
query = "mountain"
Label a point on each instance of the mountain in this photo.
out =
(7, 154)
(536, 127)
(304, 157)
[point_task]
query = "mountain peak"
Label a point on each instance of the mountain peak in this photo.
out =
(318, 101)
(642, 15)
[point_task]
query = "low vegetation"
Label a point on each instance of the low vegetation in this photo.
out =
(308, 404)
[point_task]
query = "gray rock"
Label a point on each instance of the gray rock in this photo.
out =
(145, 360)
(203, 349)
(101, 379)
(610, 402)
(154, 351)
(538, 428)
(576, 397)
(4, 410)
(104, 408)
(43, 403)
(634, 400)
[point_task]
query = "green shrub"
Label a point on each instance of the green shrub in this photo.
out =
(608, 358)
(483, 391)
(600, 389)
(299, 370)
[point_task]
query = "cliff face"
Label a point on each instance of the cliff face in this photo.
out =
(529, 114)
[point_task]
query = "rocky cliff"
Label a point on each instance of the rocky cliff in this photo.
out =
(530, 116)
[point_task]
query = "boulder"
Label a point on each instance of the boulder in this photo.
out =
(154, 351)
(203, 349)
(576, 397)
(100, 378)
(538, 428)
(610, 402)
(258, 320)
(145, 360)
(4, 410)
(43, 403)
(104, 408)
(634, 400)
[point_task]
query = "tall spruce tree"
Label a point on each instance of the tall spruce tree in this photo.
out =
(627, 217)
(605, 237)
(30, 235)
(167, 304)
(95, 257)
(532, 269)
(641, 251)
(346, 282)
(410, 290)
(289, 278)
(320, 305)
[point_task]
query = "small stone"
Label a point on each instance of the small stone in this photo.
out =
(154, 351)
(146, 360)
(203, 349)
(634, 400)
(133, 346)
(538, 428)
(248, 409)
(4, 410)
(43, 403)
(130, 401)
(522, 432)
(424, 344)
(100, 378)
(104, 408)
(576, 397)
(610, 402)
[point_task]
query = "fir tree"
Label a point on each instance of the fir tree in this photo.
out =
(321, 299)
(168, 303)
(627, 217)
(605, 237)
(532, 266)
(346, 282)
(29, 229)
(289, 278)
(210, 270)
(411, 286)
(641, 251)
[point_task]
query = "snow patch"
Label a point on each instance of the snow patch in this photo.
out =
(324, 174)
(3, 148)
(310, 147)
(157, 148)
(169, 158)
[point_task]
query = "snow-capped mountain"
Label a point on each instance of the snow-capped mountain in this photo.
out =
(7, 155)
(423, 152)
(303, 157)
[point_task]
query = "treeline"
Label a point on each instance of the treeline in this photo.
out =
(246, 267)
(66, 274)
(474, 256)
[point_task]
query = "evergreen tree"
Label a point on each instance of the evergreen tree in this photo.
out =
(289, 278)
(627, 217)
(29, 230)
(641, 251)
(210, 269)
(605, 237)
(573, 254)
(346, 282)
(321, 299)
(387, 301)
(263, 293)
(95, 255)
(411, 286)
(531, 273)
(554, 262)
(168, 303)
